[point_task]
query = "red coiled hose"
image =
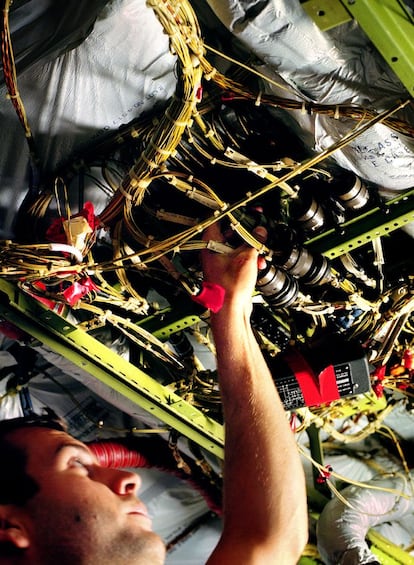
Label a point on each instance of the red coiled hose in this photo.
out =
(116, 455)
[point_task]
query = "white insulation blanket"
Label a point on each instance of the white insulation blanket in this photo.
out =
(342, 528)
(120, 70)
(336, 67)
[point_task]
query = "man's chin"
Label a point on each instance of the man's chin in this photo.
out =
(156, 553)
(148, 548)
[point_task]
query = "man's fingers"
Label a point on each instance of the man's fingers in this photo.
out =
(260, 233)
(213, 232)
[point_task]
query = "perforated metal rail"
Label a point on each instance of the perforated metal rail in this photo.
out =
(379, 221)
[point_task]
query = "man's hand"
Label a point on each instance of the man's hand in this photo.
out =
(235, 271)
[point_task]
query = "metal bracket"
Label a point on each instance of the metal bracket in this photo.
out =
(379, 221)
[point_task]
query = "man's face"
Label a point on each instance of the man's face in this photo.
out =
(83, 513)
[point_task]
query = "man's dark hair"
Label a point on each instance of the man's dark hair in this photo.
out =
(16, 485)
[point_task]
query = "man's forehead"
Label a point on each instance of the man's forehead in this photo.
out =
(45, 448)
(39, 441)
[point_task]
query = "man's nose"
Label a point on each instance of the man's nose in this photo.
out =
(120, 481)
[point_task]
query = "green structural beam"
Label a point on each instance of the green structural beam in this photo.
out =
(387, 23)
(89, 354)
(172, 320)
(377, 222)
(390, 27)
(388, 552)
(327, 14)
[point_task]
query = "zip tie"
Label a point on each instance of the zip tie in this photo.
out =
(211, 74)
(172, 180)
(187, 70)
(234, 225)
(174, 12)
(150, 239)
(151, 164)
(143, 183)
(258, 99)
(165, 152)
(195, 61)
(306, 108)
(175, 122)
(124, 192)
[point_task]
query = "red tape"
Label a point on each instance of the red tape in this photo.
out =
(210, 296)
(78, 290)
(316, 389)
(327, 384)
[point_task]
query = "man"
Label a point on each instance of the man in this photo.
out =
(60, 507)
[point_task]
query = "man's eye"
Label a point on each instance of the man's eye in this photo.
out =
(77, 463)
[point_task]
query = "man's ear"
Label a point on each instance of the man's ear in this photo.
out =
(13, 529)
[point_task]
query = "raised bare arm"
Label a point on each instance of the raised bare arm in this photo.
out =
(265, 515)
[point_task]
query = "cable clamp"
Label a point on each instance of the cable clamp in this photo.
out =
(219, 247)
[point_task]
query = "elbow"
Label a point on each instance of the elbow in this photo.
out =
(301, 540)
(296, 536)
(291, 549)
(289, 543)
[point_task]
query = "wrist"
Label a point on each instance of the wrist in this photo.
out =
(232, 312)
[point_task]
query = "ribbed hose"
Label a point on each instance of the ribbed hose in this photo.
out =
(116, 455)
